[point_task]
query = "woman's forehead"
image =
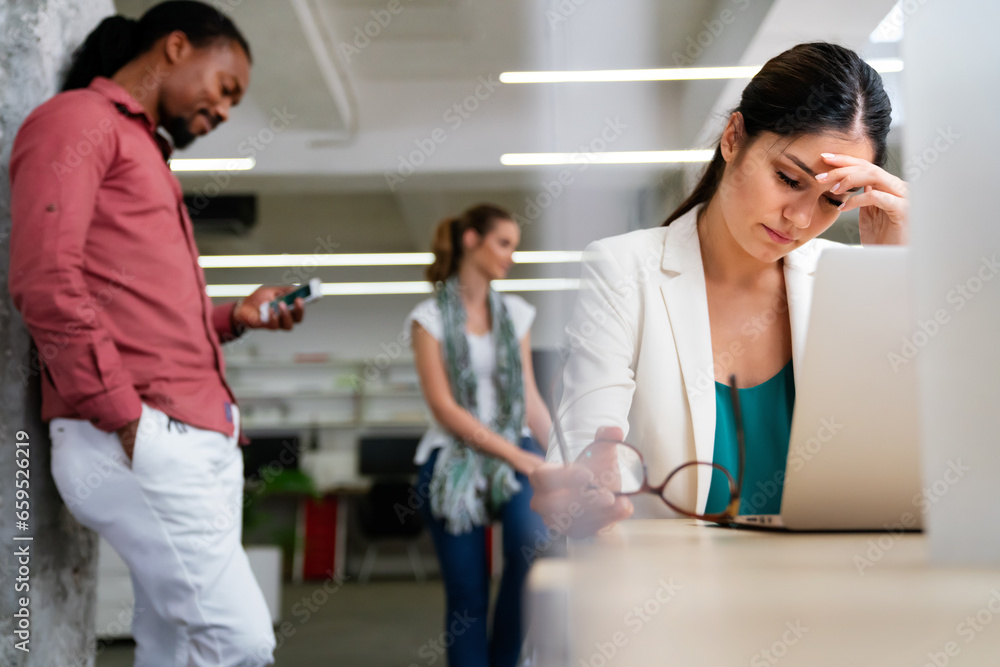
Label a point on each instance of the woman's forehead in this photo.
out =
(508, 228)
(812, 144)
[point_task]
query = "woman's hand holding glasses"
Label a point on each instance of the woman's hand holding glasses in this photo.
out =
(580, 500)
(592, 493)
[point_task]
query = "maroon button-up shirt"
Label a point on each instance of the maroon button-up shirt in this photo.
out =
(104, 267)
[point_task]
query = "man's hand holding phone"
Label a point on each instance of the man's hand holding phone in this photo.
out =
(248, 312)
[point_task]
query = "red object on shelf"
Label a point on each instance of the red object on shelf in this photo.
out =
(320, 542)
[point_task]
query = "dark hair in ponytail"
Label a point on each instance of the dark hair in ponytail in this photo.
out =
(447, 242)
(810, 88)
(119, 40)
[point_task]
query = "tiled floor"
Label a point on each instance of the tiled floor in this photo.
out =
(383, 623)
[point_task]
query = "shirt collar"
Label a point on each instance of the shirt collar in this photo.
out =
(130, 106)
(681, 245)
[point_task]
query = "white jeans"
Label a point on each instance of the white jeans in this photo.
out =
(174, 515)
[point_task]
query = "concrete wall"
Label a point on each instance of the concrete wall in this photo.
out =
(38, 37)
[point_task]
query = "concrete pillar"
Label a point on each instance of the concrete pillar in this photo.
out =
(38, 37)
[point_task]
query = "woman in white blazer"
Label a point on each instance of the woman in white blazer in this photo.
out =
(665, 315)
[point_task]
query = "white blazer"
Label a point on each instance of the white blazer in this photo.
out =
(641, 349)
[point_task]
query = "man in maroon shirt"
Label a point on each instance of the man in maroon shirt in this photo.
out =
(104, 270)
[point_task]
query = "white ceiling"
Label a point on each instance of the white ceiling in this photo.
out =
(365, 104)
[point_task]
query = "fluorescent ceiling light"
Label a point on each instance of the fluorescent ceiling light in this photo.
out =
(891, 28)
(548, 256)
(332, 289)
(609, 75)
(367, 259)
(623, 157)
(664, 74)
(393, 287)
(339, 259)
(212, 164)
(405, 287)
(537, 285)
(887, 65)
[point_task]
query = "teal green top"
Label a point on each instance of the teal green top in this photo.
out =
(767, 425)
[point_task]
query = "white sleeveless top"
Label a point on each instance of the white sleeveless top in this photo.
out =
(482, 356)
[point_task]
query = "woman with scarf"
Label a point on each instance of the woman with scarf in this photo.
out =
(472, 351)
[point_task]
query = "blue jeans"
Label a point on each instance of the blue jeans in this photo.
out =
(467, 583)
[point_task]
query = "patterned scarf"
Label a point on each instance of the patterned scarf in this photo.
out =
(468, 488)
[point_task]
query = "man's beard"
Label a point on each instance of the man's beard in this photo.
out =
(180, 132)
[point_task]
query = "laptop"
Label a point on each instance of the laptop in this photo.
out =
(854, 453)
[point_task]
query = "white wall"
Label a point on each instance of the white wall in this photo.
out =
(952, 99)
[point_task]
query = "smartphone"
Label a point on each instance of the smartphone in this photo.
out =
(309, 291)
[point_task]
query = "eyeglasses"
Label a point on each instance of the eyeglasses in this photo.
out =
(620, 468)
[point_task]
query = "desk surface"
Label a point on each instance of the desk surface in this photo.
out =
(681, 593)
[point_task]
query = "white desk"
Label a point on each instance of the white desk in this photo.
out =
(760, 599)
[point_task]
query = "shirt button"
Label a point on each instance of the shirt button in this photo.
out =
(50, 208)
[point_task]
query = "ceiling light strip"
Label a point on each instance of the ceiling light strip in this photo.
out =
(404, 287)
(212, 164)
(367, 259)
(882, 65)
(620, 157)
(537, 285)
(616, 75)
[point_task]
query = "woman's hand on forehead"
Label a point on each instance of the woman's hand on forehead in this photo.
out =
(883, 199)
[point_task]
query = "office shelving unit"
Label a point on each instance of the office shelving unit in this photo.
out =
(329, 403)
(330, 394)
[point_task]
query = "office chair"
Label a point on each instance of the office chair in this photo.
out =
(390, 461)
